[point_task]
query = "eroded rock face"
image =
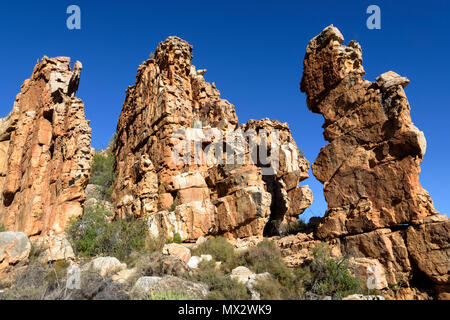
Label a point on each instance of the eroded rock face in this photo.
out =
(370, 169)
(45, 151)
(183, 164)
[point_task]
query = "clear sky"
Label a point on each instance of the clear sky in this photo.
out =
(253, 51)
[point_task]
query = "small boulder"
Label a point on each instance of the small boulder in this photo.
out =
(178, 251)
(252, 281)
(194, 261)
(143, 287)
(241, 274)
(56, 247)
(14, 248)
(106, 265)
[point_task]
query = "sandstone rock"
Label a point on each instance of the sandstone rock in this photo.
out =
(370, 168)
(428, 244)
(14, 248)
(148, 286)
(369, 270)
(178, 251)
(215, 187)
(297, 249)
(55, 247)
(124, 276)
(241, 274)
(105, 266)
(143, 287)
(45, 151)
(377, 208)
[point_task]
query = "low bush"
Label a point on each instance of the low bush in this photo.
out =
(266, 257)
(2, 227)
(330, 276)
(92, 234)
(219, 248)
(221, 286)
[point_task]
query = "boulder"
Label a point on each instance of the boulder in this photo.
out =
(194, 261)
(369, 270)
(105, 266)
(148, 286)
(253, 281)
(178, 251)
(55, 247)
(14, 248)
(241, 274)
(143, 287)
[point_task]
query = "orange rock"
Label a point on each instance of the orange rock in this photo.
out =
(45, 151)
(171, 114)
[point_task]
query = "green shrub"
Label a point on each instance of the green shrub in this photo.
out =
(330, 276)
(266, 257)
(92, 234)
(221, 286)
(269, 289)
(169, 295)
(2, 227)
(102, 172)
(219, 248)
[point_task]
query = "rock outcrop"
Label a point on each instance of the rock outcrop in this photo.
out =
(184, 163)
(370, 168)
(45, 151)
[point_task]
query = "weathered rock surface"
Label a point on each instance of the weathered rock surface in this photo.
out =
(45, 151)
(370, 169)
(105, 266)
(14, 248)
(182, 162)
(177, 251)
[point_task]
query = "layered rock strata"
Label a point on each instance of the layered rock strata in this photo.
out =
(370, 168)
(183, 163)
(45, 151)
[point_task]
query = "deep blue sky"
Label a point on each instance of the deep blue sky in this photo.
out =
(253, 51)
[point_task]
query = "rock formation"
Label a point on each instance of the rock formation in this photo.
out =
(183, 163)
(45, 151)
(370, 168)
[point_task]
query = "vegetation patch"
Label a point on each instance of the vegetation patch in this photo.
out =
(219, 248)
(93, 235)
(221, 286)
